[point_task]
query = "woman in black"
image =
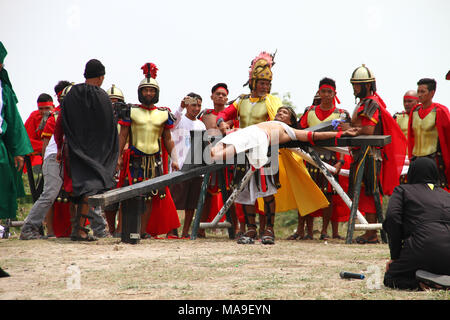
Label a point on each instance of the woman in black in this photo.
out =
(418, 225)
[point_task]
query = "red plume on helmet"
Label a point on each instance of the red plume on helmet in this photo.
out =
(149, 70)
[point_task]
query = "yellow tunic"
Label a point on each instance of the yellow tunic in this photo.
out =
(146, 128)
(298, 191)
(252, 111)
(402, 120)
(313, 120)
(425, 134)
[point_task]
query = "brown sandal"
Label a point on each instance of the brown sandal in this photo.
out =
(362, 240)
(268, 237)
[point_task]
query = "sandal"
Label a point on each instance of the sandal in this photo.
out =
(338, 237)
(294, 236)
(88, 237)
(308, 237)
(324, 236)
(187, 236)
(362, 240)
(268, 237)
(248, 237)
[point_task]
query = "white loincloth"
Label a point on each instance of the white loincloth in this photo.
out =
(250, 193)
(253, 139)
(289, 130)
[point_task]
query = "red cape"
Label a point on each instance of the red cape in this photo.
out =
(61, 219)
(164, 215)
(394, 153)
(443, 128)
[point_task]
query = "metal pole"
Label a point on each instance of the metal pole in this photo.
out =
(321, 165)
(230, 199)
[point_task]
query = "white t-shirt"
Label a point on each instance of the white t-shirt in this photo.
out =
(180, 134)
(51, 147)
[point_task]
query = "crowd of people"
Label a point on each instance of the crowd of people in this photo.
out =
(94, 141)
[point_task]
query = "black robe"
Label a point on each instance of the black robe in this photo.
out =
(91, 134)
(418, 226)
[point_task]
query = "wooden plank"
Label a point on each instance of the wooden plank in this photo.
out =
(117, 195)
(359, 141)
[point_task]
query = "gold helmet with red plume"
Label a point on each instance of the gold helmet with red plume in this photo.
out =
(261, 69)
(149, 70)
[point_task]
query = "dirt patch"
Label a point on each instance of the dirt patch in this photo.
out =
(212, 268)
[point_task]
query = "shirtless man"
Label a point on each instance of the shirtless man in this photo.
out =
(257, 138)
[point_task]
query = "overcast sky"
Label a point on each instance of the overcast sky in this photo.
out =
(196, 44)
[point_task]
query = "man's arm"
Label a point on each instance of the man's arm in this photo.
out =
(303, 135)
(170, 145)
(44, 145)
(225, 115)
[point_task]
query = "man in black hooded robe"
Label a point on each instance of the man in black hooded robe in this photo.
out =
(90, 135)
(418, 225)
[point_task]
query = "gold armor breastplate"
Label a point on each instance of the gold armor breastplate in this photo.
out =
(252, 113)
(402, 121)
(425, 134)
(146, 128)
(313, 120)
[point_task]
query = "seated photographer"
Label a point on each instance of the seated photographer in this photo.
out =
(418, 226)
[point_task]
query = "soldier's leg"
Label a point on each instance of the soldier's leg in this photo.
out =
(269, 209)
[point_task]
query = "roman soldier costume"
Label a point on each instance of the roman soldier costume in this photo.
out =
(383, 165)
(296, 190)
(145, 157)
(312, 117)
(429, 136)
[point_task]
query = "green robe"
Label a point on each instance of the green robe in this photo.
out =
(14, 141)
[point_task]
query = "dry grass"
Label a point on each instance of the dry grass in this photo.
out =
(212, 268)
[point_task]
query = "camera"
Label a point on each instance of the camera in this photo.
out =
(122, 110)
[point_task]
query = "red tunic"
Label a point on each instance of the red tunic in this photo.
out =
(394, 153)
(164, 215)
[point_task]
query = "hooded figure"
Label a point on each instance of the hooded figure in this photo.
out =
(14, 143)
(418, 225)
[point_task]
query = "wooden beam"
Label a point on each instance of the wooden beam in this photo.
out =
(359, 141)
(117, 195)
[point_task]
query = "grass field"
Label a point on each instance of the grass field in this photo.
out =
(215, 268)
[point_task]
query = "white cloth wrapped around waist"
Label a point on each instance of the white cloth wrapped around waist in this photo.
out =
(253, 139)
(256, 141)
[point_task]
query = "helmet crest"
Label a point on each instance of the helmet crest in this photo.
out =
(149, 70)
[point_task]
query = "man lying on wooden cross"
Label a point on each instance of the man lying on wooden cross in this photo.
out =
(257, 138)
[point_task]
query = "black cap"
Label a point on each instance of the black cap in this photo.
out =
(94, 68)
